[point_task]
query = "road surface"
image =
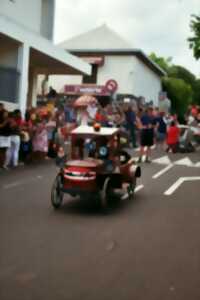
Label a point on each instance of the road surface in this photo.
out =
(147, 248)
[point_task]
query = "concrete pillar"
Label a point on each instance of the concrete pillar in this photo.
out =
(32, 89)
(23, 67)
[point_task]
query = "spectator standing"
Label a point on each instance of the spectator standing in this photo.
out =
(173, 134)
(161, 132)
(52, 94)
(40, 141)
(12, 153)
(130, 119)
(147, 125)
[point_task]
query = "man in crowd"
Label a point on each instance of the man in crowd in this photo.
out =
(130, 119)
(147, 125)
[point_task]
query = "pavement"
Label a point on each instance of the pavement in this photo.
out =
(146, 248)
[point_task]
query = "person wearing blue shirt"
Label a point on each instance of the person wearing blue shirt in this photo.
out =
(147, 125)
(130, 117)
(161, 132)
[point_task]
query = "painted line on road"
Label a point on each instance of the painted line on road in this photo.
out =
(163, 171)
(13, 185)
(178, 183)
(19, 183)
(139, 187)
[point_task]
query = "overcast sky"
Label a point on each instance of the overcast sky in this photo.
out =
(152, 25)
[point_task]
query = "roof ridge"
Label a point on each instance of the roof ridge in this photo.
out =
(104, 28)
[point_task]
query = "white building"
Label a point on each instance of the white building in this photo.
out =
(26, 50)
(114, 62)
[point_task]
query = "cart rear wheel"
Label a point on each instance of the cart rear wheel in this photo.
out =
(56, 192)
(131, 188)
(106, 193)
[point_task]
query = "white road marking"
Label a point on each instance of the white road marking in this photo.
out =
(197, 165)
(160, 173)
(19, 183)
(164, 160)
(139, 187)
(178, 183)
(13, 184)
(184, 162)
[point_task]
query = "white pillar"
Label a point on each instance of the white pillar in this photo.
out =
(32, 89)
(23, 67)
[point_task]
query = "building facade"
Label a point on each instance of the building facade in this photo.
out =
(114, 62)
(27, 50)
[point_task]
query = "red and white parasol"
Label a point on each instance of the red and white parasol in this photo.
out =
(84, 101)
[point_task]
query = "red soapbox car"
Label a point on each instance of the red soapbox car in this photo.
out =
(99, 168)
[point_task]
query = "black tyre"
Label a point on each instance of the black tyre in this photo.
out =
(56, 192)
(106, 193)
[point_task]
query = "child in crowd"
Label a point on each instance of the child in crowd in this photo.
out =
(173, 134)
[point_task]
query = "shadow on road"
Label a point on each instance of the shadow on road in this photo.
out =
(89, 207)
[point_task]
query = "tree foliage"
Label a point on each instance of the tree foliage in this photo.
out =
(164, 63)
(180, 94)
(182, 73)
(182, 87)
(194, 41)
(196, 90)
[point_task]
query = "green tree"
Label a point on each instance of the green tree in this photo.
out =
(164, 63)
(180, 94)
(196, 90)
(182, 73)
(194, 41)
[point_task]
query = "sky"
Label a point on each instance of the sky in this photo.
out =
(151, 25)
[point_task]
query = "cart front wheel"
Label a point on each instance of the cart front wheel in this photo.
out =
(106, 193)
(56, 192)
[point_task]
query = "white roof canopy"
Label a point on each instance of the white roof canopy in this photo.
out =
(89, 130)
(19, 33)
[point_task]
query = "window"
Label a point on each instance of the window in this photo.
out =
(9, 84)
(93, 77)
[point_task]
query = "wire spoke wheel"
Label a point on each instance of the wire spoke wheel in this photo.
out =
(56, 192)
(106, 193)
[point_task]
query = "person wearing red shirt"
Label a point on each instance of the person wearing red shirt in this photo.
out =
(173, 134)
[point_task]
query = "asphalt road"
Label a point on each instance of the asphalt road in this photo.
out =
(147, 248)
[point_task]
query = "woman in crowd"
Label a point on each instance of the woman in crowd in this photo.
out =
(12, 153)
(40, 141)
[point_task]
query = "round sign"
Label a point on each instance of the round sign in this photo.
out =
(111, 85)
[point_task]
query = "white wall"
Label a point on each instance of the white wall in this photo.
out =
(119, 68)
(47, 19)
(9, 106)
(145, 82)
(132, 75)
(25, 12)
(58, 81)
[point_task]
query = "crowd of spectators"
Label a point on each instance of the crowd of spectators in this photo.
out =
(43, 132)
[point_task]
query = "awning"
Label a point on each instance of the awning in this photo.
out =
(45, 64)
(94, 60)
